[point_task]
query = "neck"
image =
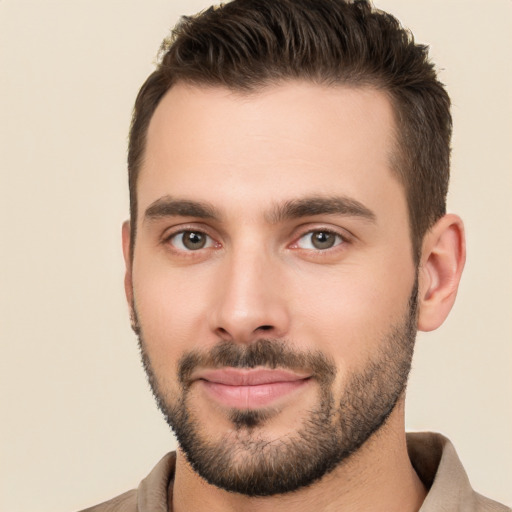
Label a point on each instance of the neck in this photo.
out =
(379, 476)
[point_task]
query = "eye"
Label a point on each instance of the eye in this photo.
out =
(191, 240)
(319, 240)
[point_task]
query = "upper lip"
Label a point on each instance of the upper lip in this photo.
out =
(247, 377)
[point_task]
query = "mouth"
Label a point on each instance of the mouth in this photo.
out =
(249, 388)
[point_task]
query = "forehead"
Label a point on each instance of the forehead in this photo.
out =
(278, 143)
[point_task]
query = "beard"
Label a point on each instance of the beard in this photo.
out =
(244, 460)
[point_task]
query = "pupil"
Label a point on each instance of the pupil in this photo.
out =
(193, 240)
(323, 240)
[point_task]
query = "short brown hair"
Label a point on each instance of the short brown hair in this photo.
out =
(247, 44)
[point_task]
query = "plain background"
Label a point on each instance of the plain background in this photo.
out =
(78, 424)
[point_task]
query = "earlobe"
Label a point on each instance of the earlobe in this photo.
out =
(442, 261)
(128, 287)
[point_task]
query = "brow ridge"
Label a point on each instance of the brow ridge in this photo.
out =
(320, 205)
(168, 206)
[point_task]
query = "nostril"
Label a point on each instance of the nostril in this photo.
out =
(264, 327)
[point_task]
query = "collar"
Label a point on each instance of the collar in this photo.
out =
(432, 455)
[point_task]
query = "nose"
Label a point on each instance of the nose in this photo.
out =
(249, 299)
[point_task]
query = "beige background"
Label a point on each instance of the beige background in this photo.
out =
(78, 423)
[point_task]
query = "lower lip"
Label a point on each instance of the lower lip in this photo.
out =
(252, 397)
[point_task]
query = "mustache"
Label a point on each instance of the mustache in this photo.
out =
(268, 353)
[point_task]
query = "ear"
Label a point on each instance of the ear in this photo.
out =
(128, 286)
(442, 261)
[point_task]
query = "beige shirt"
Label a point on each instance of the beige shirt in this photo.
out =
(432, 455)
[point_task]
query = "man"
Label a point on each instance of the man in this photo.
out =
(288, 168)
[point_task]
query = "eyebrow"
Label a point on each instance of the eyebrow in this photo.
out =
(319, 205)
(168, 207)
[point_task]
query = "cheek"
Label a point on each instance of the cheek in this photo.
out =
(353, 309)
(168, 312)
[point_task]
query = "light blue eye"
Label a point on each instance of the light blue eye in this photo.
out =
(191, 240)
(319, 240)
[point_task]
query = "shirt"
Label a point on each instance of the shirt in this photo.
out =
(432, 455)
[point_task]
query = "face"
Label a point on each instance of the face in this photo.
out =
(272, 284)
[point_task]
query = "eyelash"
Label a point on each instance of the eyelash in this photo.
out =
(175, 235)
(340, 240)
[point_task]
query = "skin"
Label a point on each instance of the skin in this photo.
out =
(260, 276)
